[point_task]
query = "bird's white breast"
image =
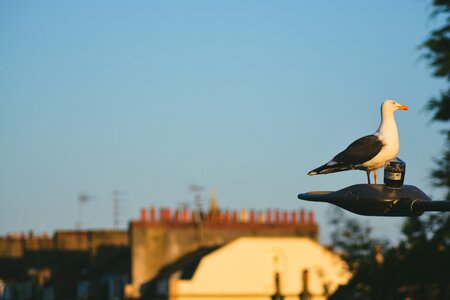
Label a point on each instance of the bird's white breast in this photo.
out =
(389, 151)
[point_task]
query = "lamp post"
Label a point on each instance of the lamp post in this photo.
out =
(379, 200)
(391, 199)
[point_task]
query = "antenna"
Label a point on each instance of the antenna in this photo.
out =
(83, 198)
(197, 189)
(116, 207)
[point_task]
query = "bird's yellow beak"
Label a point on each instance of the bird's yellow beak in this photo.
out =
(402, 107)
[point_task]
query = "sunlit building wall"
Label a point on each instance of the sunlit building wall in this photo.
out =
(246, 268)
(161, 236)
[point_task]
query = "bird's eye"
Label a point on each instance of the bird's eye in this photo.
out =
(393, 102)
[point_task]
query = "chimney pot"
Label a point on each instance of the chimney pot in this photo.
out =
(294, 217)
(235, 217)
(302, 217)
(269, 216)
(152, 214)
(143, 215)
(277, 216)
(311, 217)
(185, 215)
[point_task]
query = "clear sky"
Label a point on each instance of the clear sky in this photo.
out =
(149, 97)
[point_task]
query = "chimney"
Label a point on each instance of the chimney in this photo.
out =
(165, 214)
(252, 216)
(244, 215)
(143, 215)
(294, 217)
(311, 217)
(185, 215)
(152, 214)
(235, 217)
(277, 216)
(269, 216)
(220, 216)
(227, 217)
(169, 214)
(302, 217)
(261, 217)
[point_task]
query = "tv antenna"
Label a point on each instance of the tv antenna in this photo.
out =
(83, 198)
(116, 208)
(197, 189)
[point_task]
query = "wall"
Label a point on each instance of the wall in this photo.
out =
(245, 268)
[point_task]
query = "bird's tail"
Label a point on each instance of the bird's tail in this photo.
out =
(332, 167)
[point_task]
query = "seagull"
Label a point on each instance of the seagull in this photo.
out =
(370, 152)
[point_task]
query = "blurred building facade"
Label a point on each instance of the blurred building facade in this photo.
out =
(62, 266)
(257, 268)
(116, 264)
(156, 242)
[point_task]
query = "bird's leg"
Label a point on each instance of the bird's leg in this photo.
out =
(375, 175)
(368, 176)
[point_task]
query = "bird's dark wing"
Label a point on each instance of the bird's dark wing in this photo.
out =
(360, 151)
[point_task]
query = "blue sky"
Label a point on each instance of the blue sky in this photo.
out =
(149, 97)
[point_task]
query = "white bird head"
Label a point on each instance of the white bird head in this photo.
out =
(389, 106)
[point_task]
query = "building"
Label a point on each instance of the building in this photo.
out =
(255, 268)
(115, 264)
(62, 267)
(156, 242)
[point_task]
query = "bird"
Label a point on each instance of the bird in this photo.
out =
(370, 152)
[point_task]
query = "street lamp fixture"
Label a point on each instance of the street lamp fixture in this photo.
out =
(392, 199)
